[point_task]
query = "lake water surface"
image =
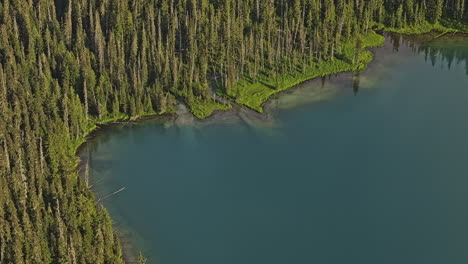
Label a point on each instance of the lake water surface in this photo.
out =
(376, 172)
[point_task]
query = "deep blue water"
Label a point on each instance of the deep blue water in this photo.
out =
(377, 176)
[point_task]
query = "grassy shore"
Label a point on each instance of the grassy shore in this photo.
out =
(253, 94)
(204, 108)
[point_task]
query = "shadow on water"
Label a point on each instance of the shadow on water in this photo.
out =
(443, 51)
(356, 82)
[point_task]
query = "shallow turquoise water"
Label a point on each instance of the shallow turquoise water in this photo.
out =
(375, 174)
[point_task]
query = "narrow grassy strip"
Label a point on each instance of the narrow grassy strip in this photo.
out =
(204, 108)
(253, 94)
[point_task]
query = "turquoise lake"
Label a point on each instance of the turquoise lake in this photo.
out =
(356, 168)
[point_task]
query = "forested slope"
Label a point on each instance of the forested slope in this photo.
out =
(65, 65)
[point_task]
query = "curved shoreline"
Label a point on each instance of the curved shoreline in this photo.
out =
(129, 253)
(235, 105)
(130, 257)
(98, 125)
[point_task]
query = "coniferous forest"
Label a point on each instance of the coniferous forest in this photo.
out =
(66, 65)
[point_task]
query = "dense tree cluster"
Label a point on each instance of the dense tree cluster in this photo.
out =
(65, 64)
(413, 12)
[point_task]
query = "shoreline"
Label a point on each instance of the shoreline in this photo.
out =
(97, 128)
(99, 125)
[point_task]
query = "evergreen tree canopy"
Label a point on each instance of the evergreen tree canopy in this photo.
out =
(65, 65)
